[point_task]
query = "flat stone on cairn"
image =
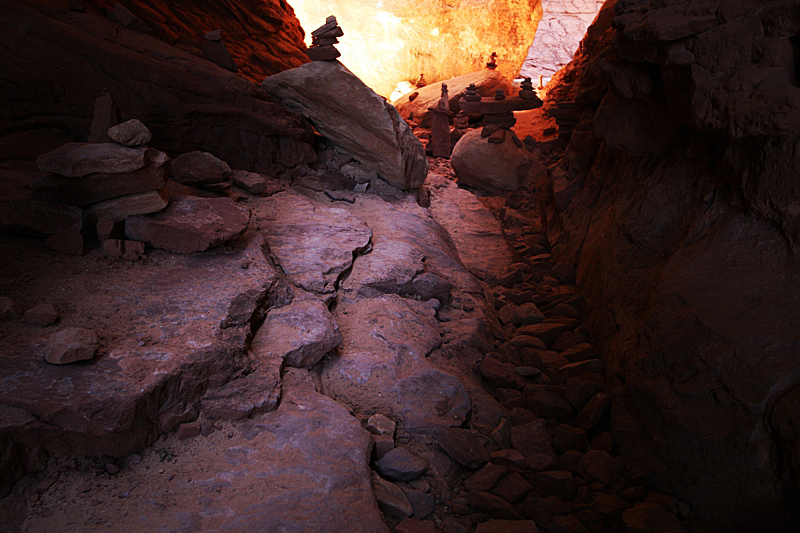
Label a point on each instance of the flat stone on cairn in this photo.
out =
(323, 39)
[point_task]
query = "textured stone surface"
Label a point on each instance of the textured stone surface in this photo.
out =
(130, 133)
(188, 103)
(299, 334)
(354, 118)
(534, 442)
(117, 209)
(101, 186)
(70, 345)
(190, 224)
(487, 81)
(74, 160)
(491, 166)
(313, 243)
(560, 30)
(199, 168)
(382, 365)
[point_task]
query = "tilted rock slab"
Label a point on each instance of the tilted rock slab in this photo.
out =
(190, 224)
(313, 243)
(74, 160)
(382, 366)
(354, 117)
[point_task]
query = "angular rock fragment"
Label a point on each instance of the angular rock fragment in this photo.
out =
(190, 224)
(118, 209)
(9, 309)
(41, 315)
(463, 446)
(130, 250)
(250, 181)
(495, 506)
(199, 168)
(381, 425)
(392, 501)
(70, 345)
(399, 464)
(130, 133)
(534, 442)
(299, 334)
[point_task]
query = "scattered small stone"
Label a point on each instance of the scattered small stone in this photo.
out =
(130, 250)
(9, 309)
(130, 133)
(399, 464)
(70, 345)
(188, 430)
(111, 468)
(41, 315)
(462, 445)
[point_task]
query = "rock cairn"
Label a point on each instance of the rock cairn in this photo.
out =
(215, 50)
(323, 39)
(440, 125)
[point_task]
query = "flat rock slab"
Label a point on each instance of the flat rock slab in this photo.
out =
(381, 366)
(190, 224)
(298, 334)
(313, 243)
(478, 236)
(303, 468)
(166, 328)
(354, 117)
(74, 160)
(99, 186)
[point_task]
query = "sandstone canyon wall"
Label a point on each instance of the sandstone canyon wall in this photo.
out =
(677, 199)
(56, 62)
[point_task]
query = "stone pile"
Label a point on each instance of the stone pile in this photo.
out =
(323, 39)
(567, 117)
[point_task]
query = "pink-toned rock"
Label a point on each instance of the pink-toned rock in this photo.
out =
(130, 250)
(41, 315)
(118, 209)
(96, 187)
(74, 160)
(199, 168)
(190, 224)
(66, 243)
(188, 430)
(70, 345)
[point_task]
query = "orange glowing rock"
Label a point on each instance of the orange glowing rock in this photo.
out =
(393, 40)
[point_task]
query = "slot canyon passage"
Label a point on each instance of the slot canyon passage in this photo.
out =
(242, 292)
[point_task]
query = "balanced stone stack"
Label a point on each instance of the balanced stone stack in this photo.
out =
(215, 51)
(323, 39)
(107, 181)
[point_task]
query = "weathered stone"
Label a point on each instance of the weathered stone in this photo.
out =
(579, 353)
(41, 315)
(299, 334)
(569, 438)
(534, 442)
(130, 133)
(118, 209)
(9, 309)
(591, 415)
(545, 404)
(363, 124)
(486, 165)
(411, 525)
(96, 187)
(650, 518)
(491, 504)
(417, 109)
(513, 488)
(74, 160)
(608, 504)
(70, 345)
(313, 243)
(392, 501)
(580, 390)
(66, 243)
(597, 465)
(216, 52)
(463, 446)
(30, 217)
(508, 458)
(258, 392)
(381, 425)
(566, 524)
(507, 526)
(382, 444)
(199, 168)
(547, 331)
(251, 181)
(399, 464)
(190, 224)
(487, 478)
(382, 366)
(130, 250)
(556, 483)
(104, 116)
(188, 430)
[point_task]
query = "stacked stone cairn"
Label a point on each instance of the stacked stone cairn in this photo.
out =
(323, 39)
(215, 51)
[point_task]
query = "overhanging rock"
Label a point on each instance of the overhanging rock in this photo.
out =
(354, 117)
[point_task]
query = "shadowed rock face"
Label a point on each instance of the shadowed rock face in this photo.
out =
(688, 255)
(186, 101)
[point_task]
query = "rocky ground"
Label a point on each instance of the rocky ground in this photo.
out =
(352, 362)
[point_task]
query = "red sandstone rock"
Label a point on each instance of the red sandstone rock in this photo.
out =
(199, 168)
(70, 345)
(41, 315)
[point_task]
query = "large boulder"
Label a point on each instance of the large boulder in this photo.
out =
(354, 118)
(416, 107)
(492, 166)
